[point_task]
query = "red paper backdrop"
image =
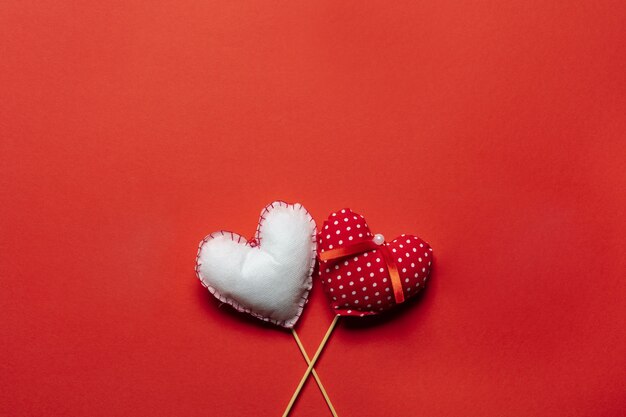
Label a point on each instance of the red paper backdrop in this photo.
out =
(494, 130)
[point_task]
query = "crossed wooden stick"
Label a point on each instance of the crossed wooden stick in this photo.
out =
(310, 370)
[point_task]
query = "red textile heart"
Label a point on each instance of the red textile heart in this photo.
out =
(357, 279)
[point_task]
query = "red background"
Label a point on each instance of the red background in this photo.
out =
(494, 130)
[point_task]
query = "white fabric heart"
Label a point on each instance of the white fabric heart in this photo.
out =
(268, 277)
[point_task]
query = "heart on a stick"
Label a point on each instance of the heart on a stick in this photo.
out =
(268, 276)
(361, 273)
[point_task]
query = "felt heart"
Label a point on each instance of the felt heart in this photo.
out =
(268, 276)
(358, 275)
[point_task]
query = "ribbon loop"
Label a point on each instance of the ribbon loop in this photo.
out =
(364, 246)
(394, 275)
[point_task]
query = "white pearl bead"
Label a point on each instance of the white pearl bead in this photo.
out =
(379, 239)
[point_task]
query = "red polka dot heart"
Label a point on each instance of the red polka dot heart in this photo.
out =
(361, 273)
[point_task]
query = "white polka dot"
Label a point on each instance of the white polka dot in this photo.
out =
(394, 250)
(376, 293)
(327, 270)
(388, 297)
(401, 246)
(346, 219)
(332, 290)
(348, 273)
(399, 259)
(374, 285)
(348, 228)
(403, 269)
(346, 263)
(351, 282)
(349, 311)
(334, 298)
(365, 254)
(382, 269)
(412, 265)
(353, 292)
(356, 301)
(387, 289)
(369, 264)
(369, 305)
(408, 241)
(358, 226)
(329, 280)
(421, 245)
(330, 246)
(358, 269)
(371, 274)
(326, 227)
(360, 234)
(349, 237)
(406, 280)
(336, 266)
(428, 263)
(356, 258)
(327, 236)
(423, 269)
(361, 279)
(414, 249)
(419, 259)
(377, 259)
(341, 287)
(341, 242)
(384, 279)
(364, 288)
(343, 296)
(406, 254)
(378, 302)
(338, 276)
(366, 298)
(416, 275)
(334, 214)
(336, 222)
(338, 231)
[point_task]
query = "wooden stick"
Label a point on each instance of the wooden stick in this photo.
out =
(311, 365)
(317, 378)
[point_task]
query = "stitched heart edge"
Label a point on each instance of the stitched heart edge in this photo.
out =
(258, 238)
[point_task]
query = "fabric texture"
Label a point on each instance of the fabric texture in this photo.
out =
(359, 284)
(268, 276)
